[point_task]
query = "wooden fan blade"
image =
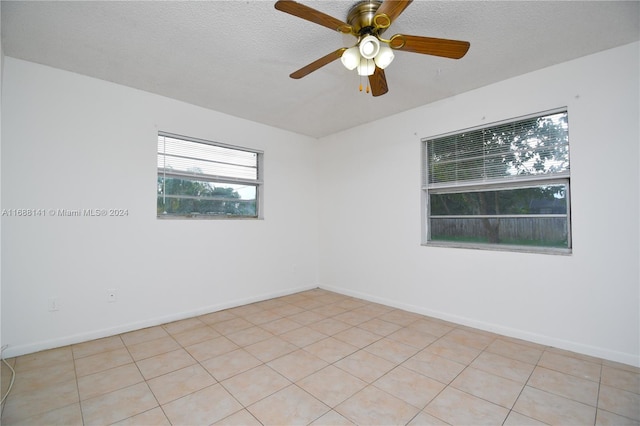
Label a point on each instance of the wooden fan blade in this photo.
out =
(327, 59)
(313, 15)
(391, 8)
(378, 82)
(454, 49)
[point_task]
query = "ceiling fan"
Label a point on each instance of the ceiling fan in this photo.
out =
(367, 21)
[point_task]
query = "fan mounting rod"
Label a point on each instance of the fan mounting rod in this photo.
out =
(361, 18)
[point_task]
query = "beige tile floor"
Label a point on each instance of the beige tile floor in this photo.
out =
(317, 358)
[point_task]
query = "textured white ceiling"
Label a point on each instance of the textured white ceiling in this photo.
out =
(236, 56)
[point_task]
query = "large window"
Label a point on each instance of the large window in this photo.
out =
(201, 179)
(504, 186)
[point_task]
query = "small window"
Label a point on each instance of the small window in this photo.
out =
(202, 179)
(505, 186)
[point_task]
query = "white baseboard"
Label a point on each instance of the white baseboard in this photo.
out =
(625, 358)
(604, 353)
(13, 351)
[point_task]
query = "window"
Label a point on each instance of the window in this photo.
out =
(204, 179)
(505, 186)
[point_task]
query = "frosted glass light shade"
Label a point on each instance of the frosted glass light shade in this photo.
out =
(369, 47)
(366, 67)
(351, 58)
(384, 56)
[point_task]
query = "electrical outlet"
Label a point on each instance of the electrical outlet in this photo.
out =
(112, 295)
(54, 305)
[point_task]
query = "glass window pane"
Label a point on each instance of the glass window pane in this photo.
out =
(532, 216)
(522, 231)
(543, 199)
(193, 197)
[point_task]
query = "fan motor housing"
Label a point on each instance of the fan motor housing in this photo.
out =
(361, 15)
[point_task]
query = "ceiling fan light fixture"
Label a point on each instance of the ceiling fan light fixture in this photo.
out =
(351, 58)
(384, 57)
(366, 67)
(366, 21)
(369, 47)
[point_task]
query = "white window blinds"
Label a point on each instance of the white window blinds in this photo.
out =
(525, 149)
(181, 157)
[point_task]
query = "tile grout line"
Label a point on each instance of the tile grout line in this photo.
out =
(75, 373)
(147, 381)
(263, 364)
(291, 383)
(447, 385)
(220, 382)
(598, 397)
(524, 386)
(198, 362)
(144, 380)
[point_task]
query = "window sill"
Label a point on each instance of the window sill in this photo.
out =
(206, 217)
(498, 247)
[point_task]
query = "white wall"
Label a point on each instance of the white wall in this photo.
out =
(588, 301)
(72, 142)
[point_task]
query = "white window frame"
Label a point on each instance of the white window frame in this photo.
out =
(507, 183)
(220, 178)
